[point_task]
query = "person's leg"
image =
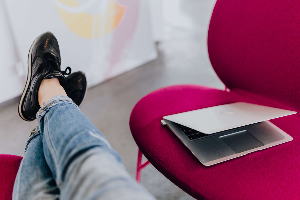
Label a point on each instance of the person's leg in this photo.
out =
(81, 160)
(34, 179)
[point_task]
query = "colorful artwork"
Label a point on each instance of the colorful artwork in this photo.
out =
(102, 38)
(89, 25)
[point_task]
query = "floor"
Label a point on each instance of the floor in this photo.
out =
(182, 59)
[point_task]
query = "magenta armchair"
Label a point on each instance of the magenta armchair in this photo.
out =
(9, 166)
(254, 47)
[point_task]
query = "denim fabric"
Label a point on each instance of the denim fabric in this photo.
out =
(66, 157)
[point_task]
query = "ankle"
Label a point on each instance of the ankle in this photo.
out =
(49, 88)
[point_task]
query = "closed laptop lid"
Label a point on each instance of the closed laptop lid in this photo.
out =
(224, 117)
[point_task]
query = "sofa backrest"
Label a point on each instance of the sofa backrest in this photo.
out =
(254, 45)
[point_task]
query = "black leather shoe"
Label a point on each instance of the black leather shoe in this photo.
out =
(43, 63)
(75, 87)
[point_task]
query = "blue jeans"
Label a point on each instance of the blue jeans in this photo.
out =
(66, 157)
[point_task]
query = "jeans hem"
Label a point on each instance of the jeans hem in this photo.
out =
(57, 100)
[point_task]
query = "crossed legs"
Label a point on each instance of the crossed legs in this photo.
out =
(68, 158)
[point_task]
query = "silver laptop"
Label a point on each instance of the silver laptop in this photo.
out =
(224, 132)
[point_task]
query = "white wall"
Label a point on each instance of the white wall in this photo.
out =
(156, 11)
(11, 84)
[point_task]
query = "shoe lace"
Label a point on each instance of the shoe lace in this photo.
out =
(67, 71)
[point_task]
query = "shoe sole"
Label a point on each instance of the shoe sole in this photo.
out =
(85, 89)
(28, 79)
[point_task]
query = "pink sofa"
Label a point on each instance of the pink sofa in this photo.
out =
(254, 47)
